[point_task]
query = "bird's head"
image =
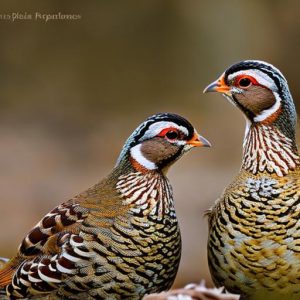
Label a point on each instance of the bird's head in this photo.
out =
(259, 90)
(160, 141)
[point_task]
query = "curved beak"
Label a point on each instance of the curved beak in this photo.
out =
(198, 141)
(218, 86)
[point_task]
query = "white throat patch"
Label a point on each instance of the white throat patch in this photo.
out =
(137, 155)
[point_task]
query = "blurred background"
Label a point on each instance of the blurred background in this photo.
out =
(71, 92)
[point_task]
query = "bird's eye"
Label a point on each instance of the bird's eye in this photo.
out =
(244, 82)
(172, 135)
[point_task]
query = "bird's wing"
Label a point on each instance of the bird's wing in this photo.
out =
(46, 240)
(65, 217)
(44, 273)
(55, 247)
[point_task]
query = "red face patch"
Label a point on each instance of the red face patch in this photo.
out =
(170, 133)
(244, 81)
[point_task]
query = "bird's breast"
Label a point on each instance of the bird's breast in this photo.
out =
(254, 236)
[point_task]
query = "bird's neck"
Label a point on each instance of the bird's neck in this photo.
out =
(129, 164)
(147, 192)
(267, 149)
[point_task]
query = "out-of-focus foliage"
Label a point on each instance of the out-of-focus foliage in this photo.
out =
(72, 91)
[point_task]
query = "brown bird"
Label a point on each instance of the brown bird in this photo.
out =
(119, 239)
(254, 236)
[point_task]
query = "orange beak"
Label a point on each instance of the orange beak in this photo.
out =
(198, 141)
(218, 86)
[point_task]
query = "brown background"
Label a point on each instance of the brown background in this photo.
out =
(72, 91)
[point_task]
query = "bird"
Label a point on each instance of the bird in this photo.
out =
(254, 227)
(119, 239)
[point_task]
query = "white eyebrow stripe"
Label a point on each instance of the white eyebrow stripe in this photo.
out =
(261, 77)
(157, 127)
(263, 63)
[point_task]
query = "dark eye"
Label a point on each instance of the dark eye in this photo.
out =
(244, 82)
(172, 135)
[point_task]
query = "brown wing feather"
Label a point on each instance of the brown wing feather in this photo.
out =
(53, 248)
(44, 273)
(65, 217)
(43, 238)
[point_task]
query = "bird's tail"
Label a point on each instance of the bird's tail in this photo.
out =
(6, 272)
(3, 263)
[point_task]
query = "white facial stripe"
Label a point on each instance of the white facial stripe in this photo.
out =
(267, 64)
(157, 127)
(137, 155)
(268, 112)
(260, 77)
